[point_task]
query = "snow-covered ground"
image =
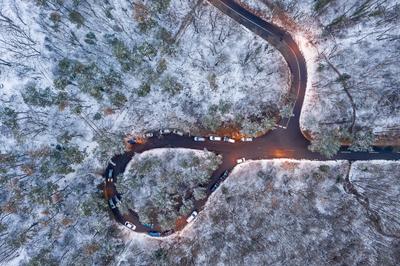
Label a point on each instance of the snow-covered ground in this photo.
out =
(291, 213)
(77, 76)
(158, 182)
(353, 45)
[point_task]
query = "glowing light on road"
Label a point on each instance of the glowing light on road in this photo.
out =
(280, 153)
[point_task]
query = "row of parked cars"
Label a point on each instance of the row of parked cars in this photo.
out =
(115, 201)
(190, 219)
(217, 138)
(169, 131)
(166, 131)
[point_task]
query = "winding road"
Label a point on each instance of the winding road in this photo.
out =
(286, 141)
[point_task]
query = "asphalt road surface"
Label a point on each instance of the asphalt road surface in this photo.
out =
(287, 141)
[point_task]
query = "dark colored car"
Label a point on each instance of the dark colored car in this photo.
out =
(215, 186)
(117, 201)
(154, 234)
(132, 141)
(224, 175)
(112, 205)
(168, 232)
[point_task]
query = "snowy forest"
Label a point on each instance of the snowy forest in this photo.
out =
(290, 212)
(162, 185)
(352, 50)
(78, 76)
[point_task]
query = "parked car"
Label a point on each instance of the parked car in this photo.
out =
(241, 160)
(117, 201)
(148, 225)
(132, 141)
(226, 139)
(246, 139)
(112, 205)
(215, 186)
(177, 132)
(168, 232)
(154, 234)
(215, 138)
(199, 139)
(192, 217)
(110, 175)
(165, 131)
(224, 175)
(112, 163)
(130, 225)
(148, 135)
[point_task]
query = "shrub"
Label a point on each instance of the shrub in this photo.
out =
(76, 18)
(161, 66)
(319, 4)
(166, 36)
(324, 168)
(144, 89)
(97, 116)
(160, 6)
(90, 38)
(172, 86)
(9, 117)
(253, 127)
(343, 78)
(362, 140)
(147, 25)
(212, 80)
(326, 144)
(120, 50)
(199, 193)
(60, 83)
(118, 99)
(320, 67)
(38, 97)
(55, 17)
(212, 120)
(147, 50)
(286, 111)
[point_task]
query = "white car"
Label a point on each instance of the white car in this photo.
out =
(215, 138)
(112, 163)
(130, 225)
(178, 132)
(246, 139)
(165, 131)
(192, 217)
(148, 135)
(226, 139)
(241, 160)
(199, 139)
